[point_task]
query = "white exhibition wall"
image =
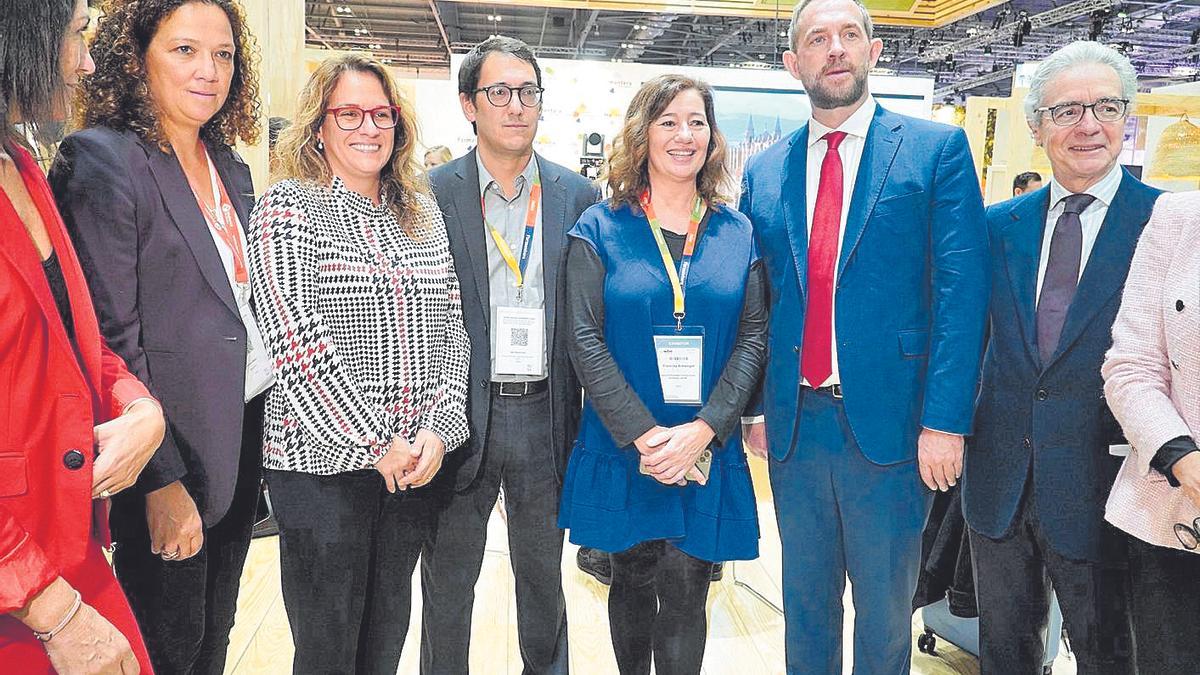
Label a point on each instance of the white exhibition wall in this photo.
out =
(584, 97)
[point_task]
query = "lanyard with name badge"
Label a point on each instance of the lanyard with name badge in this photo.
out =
(679, 348)
(224, 223)
(518, 267)
(520, 331)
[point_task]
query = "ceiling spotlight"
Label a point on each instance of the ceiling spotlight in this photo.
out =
(343, 9)
(762, 56)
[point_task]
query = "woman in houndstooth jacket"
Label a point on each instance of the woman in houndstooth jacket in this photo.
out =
(1152, 382)
(360, 309)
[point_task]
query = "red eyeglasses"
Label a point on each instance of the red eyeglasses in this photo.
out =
(350, 117)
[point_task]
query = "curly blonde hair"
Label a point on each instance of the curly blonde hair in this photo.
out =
(297, 156)
(117, 95)
(628, 172)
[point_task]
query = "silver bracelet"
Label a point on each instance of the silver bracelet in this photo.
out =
(49, 635)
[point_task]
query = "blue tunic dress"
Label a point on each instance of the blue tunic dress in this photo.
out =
(606, 503)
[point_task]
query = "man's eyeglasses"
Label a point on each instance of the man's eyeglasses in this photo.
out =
(499, 95)
(1069, 114)
(350, 117)
(1189, 535)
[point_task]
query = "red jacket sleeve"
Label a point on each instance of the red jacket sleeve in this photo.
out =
(118, 386)
(24, 567)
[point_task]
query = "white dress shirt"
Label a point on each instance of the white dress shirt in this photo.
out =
(1091, 219)
(850, 151)
(259, 373)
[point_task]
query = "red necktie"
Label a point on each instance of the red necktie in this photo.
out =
(816, 361)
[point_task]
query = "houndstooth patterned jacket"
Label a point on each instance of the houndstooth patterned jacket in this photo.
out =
(363, 322)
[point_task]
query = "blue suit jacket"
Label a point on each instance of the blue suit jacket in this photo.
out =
(912, 284)
(1050, 420)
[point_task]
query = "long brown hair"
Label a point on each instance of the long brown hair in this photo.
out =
(117, 95)
(296, 151)
(628, 167)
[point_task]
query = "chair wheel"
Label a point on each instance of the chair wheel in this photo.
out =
(927, 643)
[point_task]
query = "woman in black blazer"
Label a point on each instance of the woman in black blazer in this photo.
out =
(156, 201)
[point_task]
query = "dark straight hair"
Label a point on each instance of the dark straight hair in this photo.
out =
(31, 82)
(468, 72)
(1024, 179)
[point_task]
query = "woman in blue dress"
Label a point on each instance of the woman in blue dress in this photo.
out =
(666, 298)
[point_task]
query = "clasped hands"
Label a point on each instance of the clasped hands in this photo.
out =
(413, 464)
(669, 454)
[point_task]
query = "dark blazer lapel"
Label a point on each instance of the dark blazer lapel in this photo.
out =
(879, 150)
(1103, 276)
(236, 177)
(185, 212)
(795, 203)
(554, 227)
(1022, 249)
(468, 214)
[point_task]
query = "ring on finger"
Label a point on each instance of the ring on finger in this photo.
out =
(105, 494)
(170, 556)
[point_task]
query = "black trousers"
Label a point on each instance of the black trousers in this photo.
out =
(347, 551)
(656, 607)
(517, 456)
(1013, 581)
(1166, 608)
(185, 608)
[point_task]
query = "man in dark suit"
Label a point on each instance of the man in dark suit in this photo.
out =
(871, 226)
(524, 401)
(1038, 468)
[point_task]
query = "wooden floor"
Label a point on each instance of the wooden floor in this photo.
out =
(745, 634)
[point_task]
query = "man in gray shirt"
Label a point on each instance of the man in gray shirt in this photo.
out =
(507, 214)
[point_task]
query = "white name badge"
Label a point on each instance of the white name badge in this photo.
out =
(680, 356)
(520, 334)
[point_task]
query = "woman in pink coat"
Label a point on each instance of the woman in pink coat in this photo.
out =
(1152, 382)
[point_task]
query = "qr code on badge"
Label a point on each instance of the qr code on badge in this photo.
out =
(520, 337)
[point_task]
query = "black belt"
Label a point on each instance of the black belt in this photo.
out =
(834, 390)
(517, 389)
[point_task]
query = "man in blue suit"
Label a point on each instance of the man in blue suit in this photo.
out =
(871, 226)
(1038, 467)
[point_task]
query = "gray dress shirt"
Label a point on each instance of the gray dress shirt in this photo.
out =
(508, 217)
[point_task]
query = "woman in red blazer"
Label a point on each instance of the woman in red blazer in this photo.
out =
(75, 426)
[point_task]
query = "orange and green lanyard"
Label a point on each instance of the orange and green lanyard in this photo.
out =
(518, 266)
(678, 279)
